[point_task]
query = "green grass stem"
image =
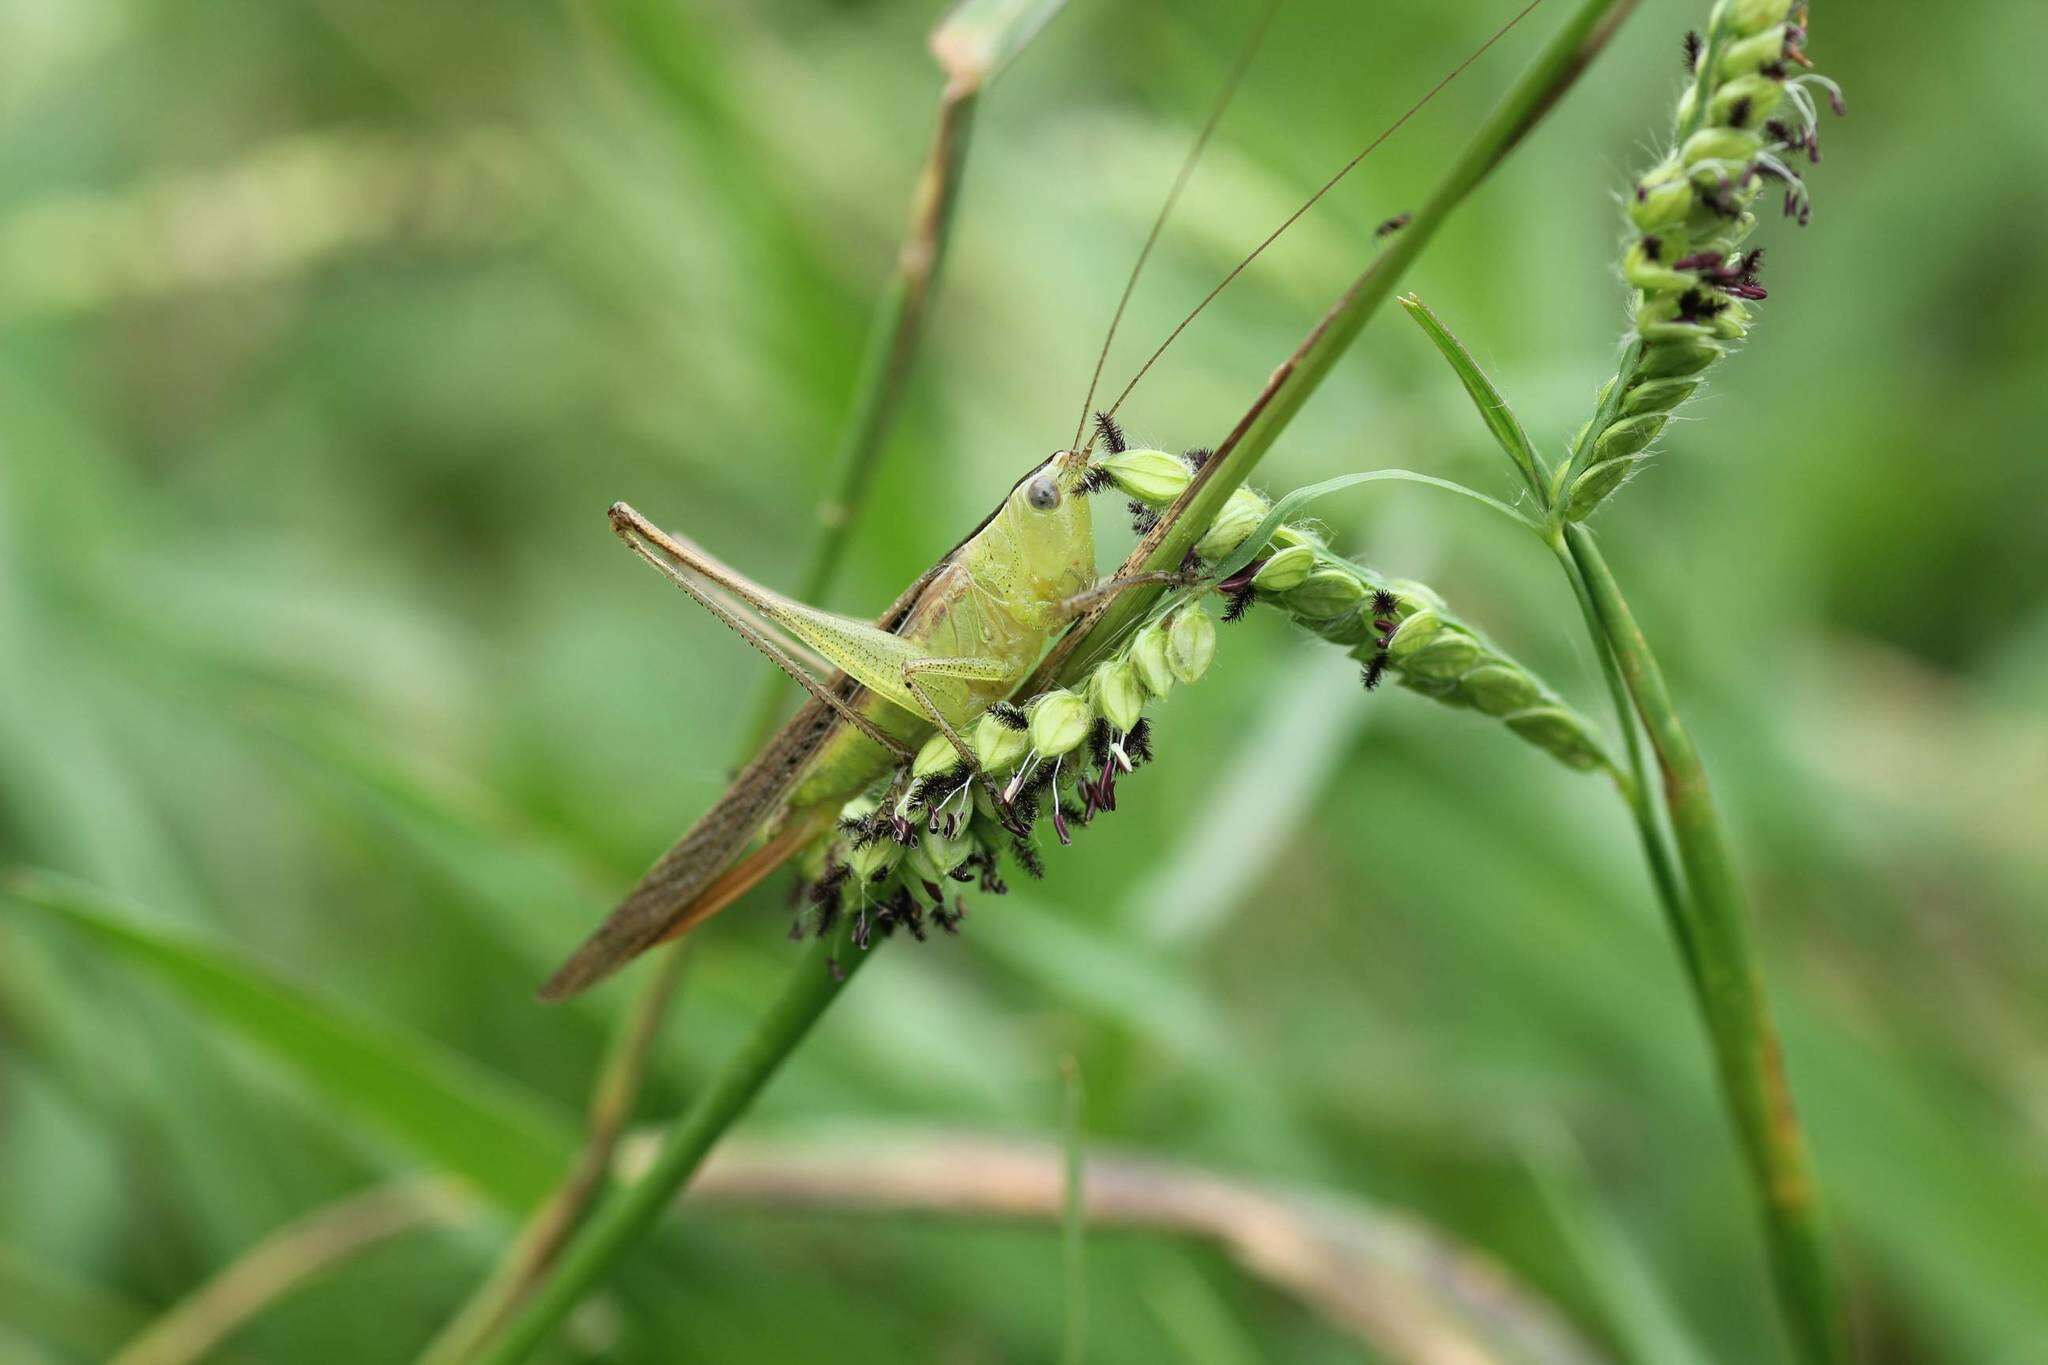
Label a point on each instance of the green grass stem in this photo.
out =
(1738, 1018)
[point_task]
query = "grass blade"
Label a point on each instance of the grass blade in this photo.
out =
(1730, 987)
(435, 1102)
(1500, 419)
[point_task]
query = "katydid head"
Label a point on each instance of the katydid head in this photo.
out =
(1039, 547)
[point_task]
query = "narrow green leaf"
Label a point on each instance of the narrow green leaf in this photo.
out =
(432, 1100)
(1301, 497)
(1493, 409)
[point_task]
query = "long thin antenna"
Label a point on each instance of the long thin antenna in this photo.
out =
(1328, 185)
(1180, 180)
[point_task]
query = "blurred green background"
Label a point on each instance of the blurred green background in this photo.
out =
(328, 328)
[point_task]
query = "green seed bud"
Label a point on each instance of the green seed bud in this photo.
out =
(1673, 331)
(1719, 144)
(1593, 486)
(1352, 628)
(1732, 322)
(1292, 533)
(1657, 395)
(1560, 733)
(1442, 691)
(1233, 525)
(1413, 633)
(1326, 594)
(1686, 104)
(1628, 437)
(934, 855)
(1285, 570)
(999, 747)
(1746, 101)
(1678, 359)
(1498, 689)
(1644, 273)
(1657, 320)
(937, 756)
(1411, 596)
(1759, 50)
(1190, 643)
(1059, 722)
(1148, 475)
(1446, 656)
(1753, 16)
(1662, 199)
(1116, 693)
(1148, 657)
(875, 859)
(985, 807)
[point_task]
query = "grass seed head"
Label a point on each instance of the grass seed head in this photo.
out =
(1285, 570)
(1059, 723)
(1328, 593)
(1190, 643)
(1148, 658)
(1151, 476)
(999, 745)
(1234, 525)
(1116, 693)
(1744, 116)
(938, 756)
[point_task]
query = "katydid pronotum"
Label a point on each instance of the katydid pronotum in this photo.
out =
(961, 638)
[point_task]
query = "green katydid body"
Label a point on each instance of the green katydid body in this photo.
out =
(961, 638)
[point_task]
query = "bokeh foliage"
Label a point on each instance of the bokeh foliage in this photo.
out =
(328, 328)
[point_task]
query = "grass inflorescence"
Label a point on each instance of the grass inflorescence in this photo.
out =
(1748, 113)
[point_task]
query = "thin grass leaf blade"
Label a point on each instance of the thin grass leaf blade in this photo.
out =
(429, 1099)
(1255, 543)
(1500, 419)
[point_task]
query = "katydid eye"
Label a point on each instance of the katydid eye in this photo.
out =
(1042, 493)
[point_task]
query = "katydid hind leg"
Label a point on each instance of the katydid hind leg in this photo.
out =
(670, 891)
(683, 563)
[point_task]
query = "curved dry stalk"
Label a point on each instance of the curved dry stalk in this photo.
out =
(283, 1262)
(1401, 1287)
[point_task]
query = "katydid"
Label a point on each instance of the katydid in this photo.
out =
(960, 638)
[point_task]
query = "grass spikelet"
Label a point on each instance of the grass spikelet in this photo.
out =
(1743, 119)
